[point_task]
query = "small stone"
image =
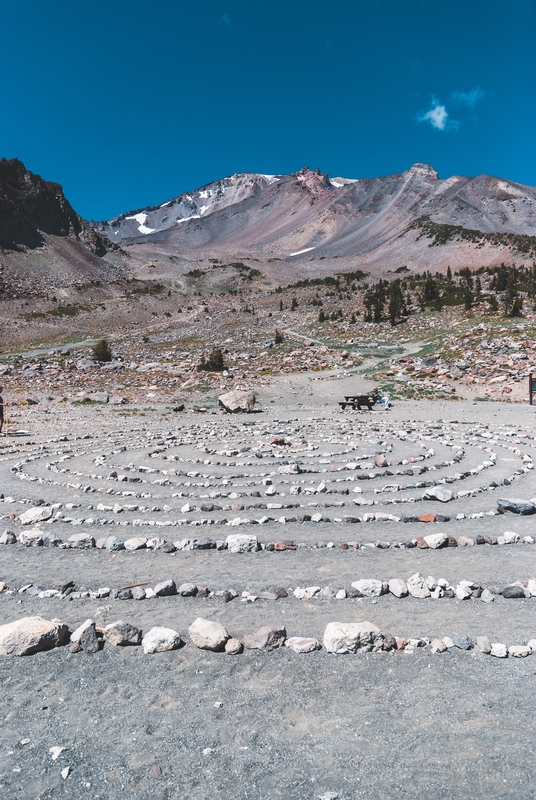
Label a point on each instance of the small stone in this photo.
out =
(300, 644)
(8, 537)
(136, 543)
(516, 506)
(519, 650)
(158, 640)
(75, 635)
(463, 592)
(463, 642)
(440, 493)
(208, 635)
(417, 586)
(436, 540)
(398, 587)
(165, 588)
(266, 638)
(138, 593)
(369, 587)
(422, 544)
(465, 541)
(348, 637)
(513, 592)
(438, 646)
(113, 543)
(427, 518)
(487, 597)
(499, 650)
(483, 644)
(122, 634)
(82, 541)
(33, 515)
(233, 647)
(242, 543)
(187, 590)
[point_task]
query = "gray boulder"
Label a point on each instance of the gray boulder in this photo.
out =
(516, 506)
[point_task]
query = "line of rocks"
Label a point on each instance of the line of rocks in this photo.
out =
(247, 543)
(415, 586)
(31, 635)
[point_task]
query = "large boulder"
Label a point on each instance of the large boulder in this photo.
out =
(122, 634)
(349, 637)
(516, 506)
(158, 640)
(368, 587)
(38, 514)
(208, 635)
(440, 493)
(32, 635)
(242, 543)
(417, 586)
(266, 638)
(237, 401)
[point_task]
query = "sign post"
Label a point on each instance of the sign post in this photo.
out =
(532, 388)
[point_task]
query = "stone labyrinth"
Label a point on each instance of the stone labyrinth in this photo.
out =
(250, 492)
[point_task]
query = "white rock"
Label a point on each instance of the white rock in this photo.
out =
(463, 592)
(440, 493)
(532, 645)
(289, 469)
(435, 540)
(487, 596)
(242, 543)
(208, 635)
(341, 595)
(398, 587)
(499, 650)
(531, 586)
(417, 586)
(300, 644)
(368, 587)
(237, 401)
(519, 650)
(510, 537)
(438, 646)
(157, 640)
(39, 514)
(137, 543)
(345, 637)
(31, 538)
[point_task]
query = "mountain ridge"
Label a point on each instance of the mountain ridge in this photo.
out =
(307, 214)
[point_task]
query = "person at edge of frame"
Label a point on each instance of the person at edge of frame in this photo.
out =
(2, 404)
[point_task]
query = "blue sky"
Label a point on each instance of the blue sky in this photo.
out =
(130, 103)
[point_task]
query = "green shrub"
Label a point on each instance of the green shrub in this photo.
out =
(102, 351)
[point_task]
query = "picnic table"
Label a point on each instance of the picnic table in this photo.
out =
(358, 400)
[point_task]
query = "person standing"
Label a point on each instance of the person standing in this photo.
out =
(2, 404)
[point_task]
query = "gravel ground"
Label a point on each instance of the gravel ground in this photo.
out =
(193, 724)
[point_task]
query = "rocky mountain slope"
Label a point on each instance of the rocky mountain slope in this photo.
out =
(413, 218)
(44, 243)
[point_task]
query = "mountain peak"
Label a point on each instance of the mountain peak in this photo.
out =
(422, 171)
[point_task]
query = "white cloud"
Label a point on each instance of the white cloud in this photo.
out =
(469, 98)
(437, 116)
